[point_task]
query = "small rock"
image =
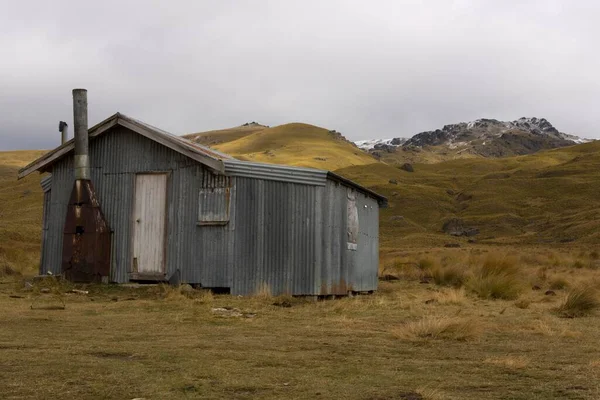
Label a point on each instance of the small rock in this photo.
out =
(550, 293)
(284, 304)
(390, 277)
(114, 299)
(471, 241)
(393, 181)
(429, 301)
(536, 287)
(450, 192)
(44, 290)
(407, 167)
(227, 312)
(77, 291)
(186, 288)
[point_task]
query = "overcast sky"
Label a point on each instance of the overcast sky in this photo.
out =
(366, 68)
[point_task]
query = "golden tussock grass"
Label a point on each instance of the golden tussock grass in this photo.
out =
(498, 278)
(558, 283)
(451, 275)
(428, 393)
(455, 296)
(579, 302)
(439, 328)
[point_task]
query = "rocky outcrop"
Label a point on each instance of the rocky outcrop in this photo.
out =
(484, 137)
(457, 227)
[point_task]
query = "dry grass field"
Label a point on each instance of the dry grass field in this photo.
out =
(413, 339)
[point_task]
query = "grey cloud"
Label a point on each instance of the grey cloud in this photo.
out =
(367, 69)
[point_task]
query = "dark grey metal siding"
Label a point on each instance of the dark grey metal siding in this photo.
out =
(289, 237)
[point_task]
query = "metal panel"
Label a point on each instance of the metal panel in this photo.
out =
(214, 200)
(149, 225)
(45, 224)
(275, 238)
(274, 172)
(46, 183)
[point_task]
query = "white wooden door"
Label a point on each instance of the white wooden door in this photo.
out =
(149, 224)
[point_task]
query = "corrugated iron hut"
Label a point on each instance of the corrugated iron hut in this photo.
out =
(152, 206)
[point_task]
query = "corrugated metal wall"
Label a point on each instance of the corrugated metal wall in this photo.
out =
(291, 238)
(275, 241)
(115, 158)
(288, 237)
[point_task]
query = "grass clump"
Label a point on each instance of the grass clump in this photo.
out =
(522, 304)
(439, 328)
(497, 278)
(451, 296)
(7, 268)
(580, 301)
(558, 283)
(449, 276)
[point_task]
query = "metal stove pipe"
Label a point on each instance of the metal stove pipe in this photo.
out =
(63, 128)
(80, 122)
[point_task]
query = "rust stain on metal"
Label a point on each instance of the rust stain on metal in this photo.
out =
(86, 244)
(337, 288)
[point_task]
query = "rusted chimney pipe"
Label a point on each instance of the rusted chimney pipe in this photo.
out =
(80, 120)
(63, 128)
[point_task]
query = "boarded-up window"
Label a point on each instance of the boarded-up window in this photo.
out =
(352, 220)
(214, 200)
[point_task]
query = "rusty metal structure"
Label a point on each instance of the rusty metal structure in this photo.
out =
(86, 242)
(182, 212)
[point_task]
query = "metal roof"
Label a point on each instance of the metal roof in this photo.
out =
(205, 155)
(286, 173)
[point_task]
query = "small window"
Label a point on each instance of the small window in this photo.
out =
(214, 200)
(352, 224)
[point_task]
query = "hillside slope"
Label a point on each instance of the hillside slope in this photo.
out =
(211, 138)
(20, 213)
(297, 144)
(549, 197)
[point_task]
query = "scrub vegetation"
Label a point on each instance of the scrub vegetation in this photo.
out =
(410, 338)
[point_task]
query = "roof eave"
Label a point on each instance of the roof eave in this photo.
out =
(381, 200)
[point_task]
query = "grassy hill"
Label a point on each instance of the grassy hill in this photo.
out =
(211, 138)
(20, 213)
(294, 144)
(549, 197)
